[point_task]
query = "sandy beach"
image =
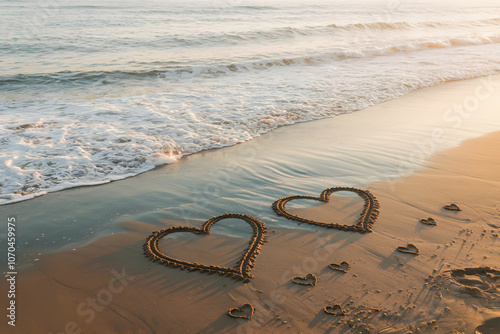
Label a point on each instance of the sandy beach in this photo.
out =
(250, 166)
(107, 285)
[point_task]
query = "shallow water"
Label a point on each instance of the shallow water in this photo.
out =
(94, 91)
(376, 145)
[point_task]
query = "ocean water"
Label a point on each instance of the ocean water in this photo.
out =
(94, 91)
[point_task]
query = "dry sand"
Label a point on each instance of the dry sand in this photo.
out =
(109, 286)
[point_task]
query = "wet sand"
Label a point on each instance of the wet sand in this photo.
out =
(110, 287)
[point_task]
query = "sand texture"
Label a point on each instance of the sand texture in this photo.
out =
(430, 263)
(245, 263)
(452, 286)
(364, 223)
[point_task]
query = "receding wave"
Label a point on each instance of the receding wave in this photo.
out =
(255, 7)
(85, 143)
(289, 32)
(68, 77)
(142, 85)
(375, 25)
(414, 25)
(258, 36)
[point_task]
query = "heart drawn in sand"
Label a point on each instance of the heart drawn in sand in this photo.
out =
(452, 207)
(309, 279)
(343, 267)
(410, 249)
(244, 312)
(363, 224)
(244, 265)
(334, 310)
(428, 221)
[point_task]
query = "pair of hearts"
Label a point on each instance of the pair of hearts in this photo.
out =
(311, 279)
(244, 265)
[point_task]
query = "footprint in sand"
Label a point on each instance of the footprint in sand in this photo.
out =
(481, 282)
(491, 326)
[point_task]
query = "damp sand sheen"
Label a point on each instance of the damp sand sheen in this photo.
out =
(145, 84)
(306, 278)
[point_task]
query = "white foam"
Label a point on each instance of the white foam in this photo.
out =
(90, 113)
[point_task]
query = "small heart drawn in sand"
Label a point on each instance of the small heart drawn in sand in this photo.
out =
(244, 265)
(336, 310)
(410, 249)
(343, 267)
(428, 221)
(363, 224)
(244, 312)
(309, 279)
(452, 207)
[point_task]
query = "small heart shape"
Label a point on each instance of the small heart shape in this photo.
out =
(428, 221)
(309, 279)
(343, 267)
(452, 207)
(410, 249)
(336, 310)
(244, 265)
(245, 312)
(363, 224)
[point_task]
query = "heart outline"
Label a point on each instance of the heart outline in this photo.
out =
(452, 207)
(404, 249)
(338, 267)
(363, 224)
(308, 276)
(244, 264)
(334, 309)
(240, 309)
(428, 221)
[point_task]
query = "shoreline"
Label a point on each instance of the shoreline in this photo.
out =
(492, 86)
(381, 288)
(367, 149)
(384, 142)
(345, 150)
